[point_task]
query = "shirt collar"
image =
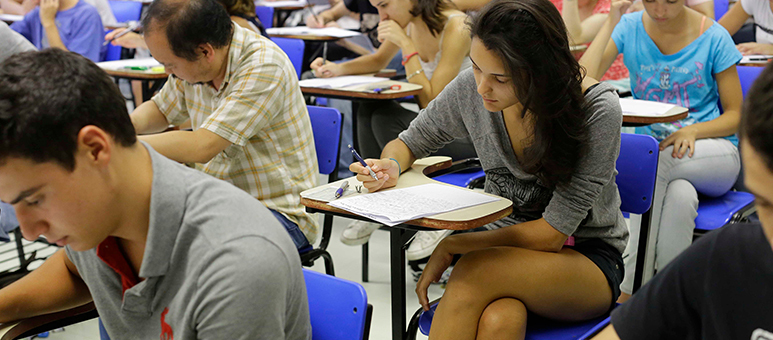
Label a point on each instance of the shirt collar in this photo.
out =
(167, 204)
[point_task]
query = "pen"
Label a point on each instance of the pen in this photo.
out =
(324, 53)
(309, 7)
(341, 189)
(362, 161)
(131, 28)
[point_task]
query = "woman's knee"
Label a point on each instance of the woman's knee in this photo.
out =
(504, 318)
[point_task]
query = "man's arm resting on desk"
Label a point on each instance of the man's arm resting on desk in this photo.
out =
(54, 286)
(198, 146)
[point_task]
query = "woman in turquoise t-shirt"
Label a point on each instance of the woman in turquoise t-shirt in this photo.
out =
(676, 55)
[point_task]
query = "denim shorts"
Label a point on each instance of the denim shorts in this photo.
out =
(608, 259)
(295, 232)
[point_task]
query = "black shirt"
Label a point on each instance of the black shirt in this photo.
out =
(368, 18)
(719, 288)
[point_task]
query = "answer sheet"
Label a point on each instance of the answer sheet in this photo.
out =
(393, 207)
(644, 108)
(321, 32)
(339, 82)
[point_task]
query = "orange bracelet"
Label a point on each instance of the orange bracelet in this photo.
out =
(405, 59)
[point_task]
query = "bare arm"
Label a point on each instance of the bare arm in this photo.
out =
(602, 51)
(147, 118)
(35, 294)
(198, 146)
(334, 13)
(386, 169)
(734, 18)
(580, 31)
(455, 47)
(535, 235)
(607, 334)
(12, 7)
(48, 10)
(469, 5)
(705, 8)
(370, 63)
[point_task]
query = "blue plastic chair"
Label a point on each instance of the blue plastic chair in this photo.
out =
(720, 8)
(265, 15)
(338, 308)
(326, 124)
(732, 207)
(124, 11)
(637, 167)
(294, 50)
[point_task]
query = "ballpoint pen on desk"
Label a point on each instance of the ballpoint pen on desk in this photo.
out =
(133, 26)
(340, 191)
(362, 161)
(324, 53)
(380, 89)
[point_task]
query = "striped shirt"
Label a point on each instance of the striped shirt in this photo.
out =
(260, 109)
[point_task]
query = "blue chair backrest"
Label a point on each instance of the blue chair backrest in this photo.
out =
(294, 50)
(637, 167)
(326, 124)
(265, 15)
(123, 11)
(720, 8)
(338, 307)
(747, 75)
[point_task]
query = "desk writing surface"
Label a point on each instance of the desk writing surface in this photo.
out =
(461, 219)
(363, 91)
(117, 68)
(11, 18)
(673, 114)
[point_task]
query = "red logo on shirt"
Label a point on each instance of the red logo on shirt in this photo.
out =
(166, 330)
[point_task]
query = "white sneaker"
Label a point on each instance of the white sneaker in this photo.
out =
(424, 244)
(358, 232)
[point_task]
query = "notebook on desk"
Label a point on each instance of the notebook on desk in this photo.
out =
(322, 32)
(339, 82)
(646, 108)
(756, 59)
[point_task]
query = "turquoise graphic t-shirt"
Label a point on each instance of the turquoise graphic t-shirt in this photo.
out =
(685, 78)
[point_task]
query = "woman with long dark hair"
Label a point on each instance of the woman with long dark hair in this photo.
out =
(548, 139)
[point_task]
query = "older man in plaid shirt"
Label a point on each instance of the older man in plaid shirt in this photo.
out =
(241, 94)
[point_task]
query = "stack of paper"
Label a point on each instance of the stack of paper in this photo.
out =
(287, 3)
(756, 59)
(339, 82)
(10, 18)
(119, 65)
(644, 108)
(393, 207)
(320, 32)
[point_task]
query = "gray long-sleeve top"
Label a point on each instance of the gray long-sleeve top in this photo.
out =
(586, 207)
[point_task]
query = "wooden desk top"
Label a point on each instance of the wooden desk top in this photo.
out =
(362, 92)
(137, 75)
(305, 37)
(42, 323)
(676, 113)
(462, 219)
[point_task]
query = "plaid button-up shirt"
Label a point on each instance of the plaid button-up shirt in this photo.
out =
(260, 109)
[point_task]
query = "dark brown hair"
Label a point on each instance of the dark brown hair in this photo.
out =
(431, 12)
(242, 8)
(530, 38)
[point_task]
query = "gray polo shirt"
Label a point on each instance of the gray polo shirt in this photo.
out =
(587, 207)
(12, 42)
(217, 265)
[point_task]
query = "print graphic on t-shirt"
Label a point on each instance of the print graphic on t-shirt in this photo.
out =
(529, 197)
(674, 83)
(166, 330)
(761, 334)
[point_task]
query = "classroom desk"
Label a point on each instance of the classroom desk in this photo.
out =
(463, 219)
(676, 113)
(151, 81)
(10, 18)
(360, 92)
(36, 325)
(282, 9)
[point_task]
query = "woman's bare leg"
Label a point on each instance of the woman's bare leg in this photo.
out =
(503, 319)
(564, 286)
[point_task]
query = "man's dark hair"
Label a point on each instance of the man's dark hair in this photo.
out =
(757, 116)
(47, 97)
(188, 24)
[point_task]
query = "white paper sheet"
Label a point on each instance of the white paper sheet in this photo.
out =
(11, 17)
(756, 59)
(321, 32)
(339, 82)
(644, 108)
(396, 206)
(121, 64)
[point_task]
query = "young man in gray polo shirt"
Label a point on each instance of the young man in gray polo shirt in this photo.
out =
(163, 251)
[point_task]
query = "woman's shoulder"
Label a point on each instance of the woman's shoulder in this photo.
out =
(603, 104)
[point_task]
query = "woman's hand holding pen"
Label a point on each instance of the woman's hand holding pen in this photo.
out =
(386, 170)
(324, 69)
